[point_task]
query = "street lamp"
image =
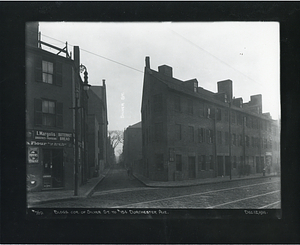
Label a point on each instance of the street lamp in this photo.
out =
(86, 87)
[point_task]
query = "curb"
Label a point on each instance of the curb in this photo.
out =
(86, 195)
(203, 183)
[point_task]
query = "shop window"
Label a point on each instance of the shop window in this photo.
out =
(48, 113)
(178, 163)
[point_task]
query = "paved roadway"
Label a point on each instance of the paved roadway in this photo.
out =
(118, 190)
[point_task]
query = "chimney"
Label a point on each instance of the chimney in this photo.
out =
(148, 62)
(166, 70)
(77, 57)
(226, 88)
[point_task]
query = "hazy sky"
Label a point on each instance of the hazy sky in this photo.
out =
(245, 52)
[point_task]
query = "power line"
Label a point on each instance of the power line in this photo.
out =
(98, 55)
(215, 57)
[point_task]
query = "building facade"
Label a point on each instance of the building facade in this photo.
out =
(189, 132)
(132, 148)
(97, 123)
(53, 85)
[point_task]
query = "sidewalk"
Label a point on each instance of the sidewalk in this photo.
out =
(84, 191)
(194, 182)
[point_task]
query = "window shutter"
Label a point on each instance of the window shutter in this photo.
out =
(59, 114)
(38, 115)
(58, 74)
(38, 69)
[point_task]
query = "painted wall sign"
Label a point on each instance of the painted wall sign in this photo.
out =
(33, 155)
(49, 135)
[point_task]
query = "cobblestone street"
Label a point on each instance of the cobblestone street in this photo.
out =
(118, 190)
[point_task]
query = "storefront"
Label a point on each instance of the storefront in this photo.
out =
(49, 160)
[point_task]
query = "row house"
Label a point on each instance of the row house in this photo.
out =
(98, 136)
(132, 147)
(189, 132)
(56, 116)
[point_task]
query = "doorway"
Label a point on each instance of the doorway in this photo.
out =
(53, 168)
(220, 165)
(192, 167)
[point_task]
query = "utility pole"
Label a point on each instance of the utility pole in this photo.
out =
(230, 139)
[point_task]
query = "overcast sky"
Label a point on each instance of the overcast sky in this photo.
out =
(245, 52)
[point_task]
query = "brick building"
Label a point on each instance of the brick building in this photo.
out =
(97, 123)
(189, 132)
(53, 84)
(132, 147)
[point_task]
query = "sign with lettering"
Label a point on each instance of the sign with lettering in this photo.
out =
(49, 136)
(33, 155)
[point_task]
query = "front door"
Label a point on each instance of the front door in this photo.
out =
(220, 165)
(192, 167)
(53, 168)
(227, 166)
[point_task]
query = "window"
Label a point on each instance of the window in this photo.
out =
(157, 103)
(219, 137)
(48, 113)
(210, 113)
(178, 163)
(265, 143)
(178, 131)
(247, 139)
(200, 135)
(211, 162)
(226, 138)
(158, 131)
(203, 163)
(234, 161)
(234, 139)
(159, 162)
(177, 104)
(48, 72)
(210, 136)
(218, 116)
(241, 140)
(252, 142)
(201, 109)
(190, 107)
(195, 87)
(47, 69)
(191, 133)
